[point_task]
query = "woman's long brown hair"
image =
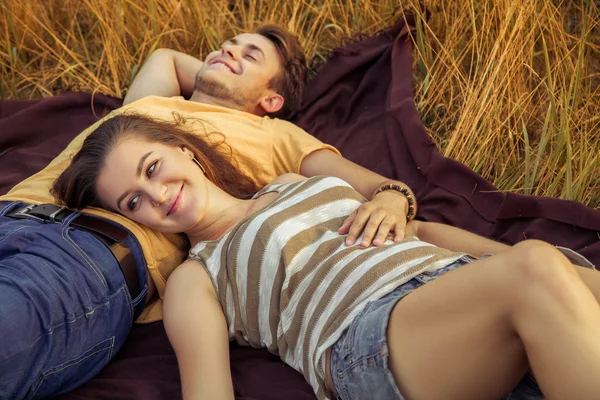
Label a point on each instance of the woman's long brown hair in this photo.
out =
(76, 186)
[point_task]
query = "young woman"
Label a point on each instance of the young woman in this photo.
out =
(269, 269)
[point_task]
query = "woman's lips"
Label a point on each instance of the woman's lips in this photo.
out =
(176, 203)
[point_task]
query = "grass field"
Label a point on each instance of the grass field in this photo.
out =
(509, 87)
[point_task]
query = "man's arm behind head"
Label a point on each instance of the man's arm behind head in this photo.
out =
(165, 73)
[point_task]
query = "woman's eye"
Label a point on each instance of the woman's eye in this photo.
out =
(251, 57)
(132, 203)
(151, 169)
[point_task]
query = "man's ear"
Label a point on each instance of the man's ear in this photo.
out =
(272, 103)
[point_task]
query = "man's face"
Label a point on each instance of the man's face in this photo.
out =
(238, 74)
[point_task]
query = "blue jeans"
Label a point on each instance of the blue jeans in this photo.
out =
(359, 359)
(65, 308)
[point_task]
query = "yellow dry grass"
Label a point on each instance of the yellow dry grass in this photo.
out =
(508, 87)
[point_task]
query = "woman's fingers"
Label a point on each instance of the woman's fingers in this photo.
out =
(358, 224)
(399, 230)
(345, 228)
(373, 224)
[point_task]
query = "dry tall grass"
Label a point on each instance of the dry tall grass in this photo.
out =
(509, 87)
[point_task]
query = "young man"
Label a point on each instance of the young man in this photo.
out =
(264, 74)
(72, 284)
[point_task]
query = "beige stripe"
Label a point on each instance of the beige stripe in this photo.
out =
(320, 391)
(342, 192)
(359, 286)
(227, 274)
(293, 333)
(263, 236)
(274, 306)
(323, 251)
(292, 247)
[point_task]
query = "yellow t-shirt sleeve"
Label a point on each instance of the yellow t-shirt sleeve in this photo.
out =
(291, 144)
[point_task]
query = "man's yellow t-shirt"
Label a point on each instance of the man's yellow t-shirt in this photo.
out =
(263, 148)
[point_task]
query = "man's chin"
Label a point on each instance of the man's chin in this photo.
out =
(212, 85)
(218, 76)
(216, 89)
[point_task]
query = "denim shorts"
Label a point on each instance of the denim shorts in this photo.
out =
(65, 308)
(359, 359)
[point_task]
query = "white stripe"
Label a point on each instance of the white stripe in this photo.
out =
(247, 240)
(288, 313)
(297, 187)
(278, 240)
(197, 249)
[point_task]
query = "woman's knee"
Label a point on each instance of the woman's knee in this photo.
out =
(539, 264)
(541, 260)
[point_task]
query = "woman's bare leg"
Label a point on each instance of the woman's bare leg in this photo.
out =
(473, 332)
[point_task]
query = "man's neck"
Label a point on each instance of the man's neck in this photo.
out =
(200, 97)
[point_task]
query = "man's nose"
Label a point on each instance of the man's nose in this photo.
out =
(232, 51)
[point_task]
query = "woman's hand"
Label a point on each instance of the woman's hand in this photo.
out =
(385, 213)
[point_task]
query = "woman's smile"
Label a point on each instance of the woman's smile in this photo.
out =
(174, 206)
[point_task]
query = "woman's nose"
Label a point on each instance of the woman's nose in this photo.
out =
(158, 195)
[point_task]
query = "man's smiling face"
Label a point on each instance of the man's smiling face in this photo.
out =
(239, 73)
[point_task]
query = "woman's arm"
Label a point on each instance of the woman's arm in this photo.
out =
(197, 329)
(165, 73)
(383, 213)
(455, 239)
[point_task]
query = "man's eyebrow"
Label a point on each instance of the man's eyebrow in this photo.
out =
(250, 46)
(138, 174)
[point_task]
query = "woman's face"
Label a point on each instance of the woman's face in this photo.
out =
(156, 185)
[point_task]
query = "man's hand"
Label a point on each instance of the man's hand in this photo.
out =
(384, 214)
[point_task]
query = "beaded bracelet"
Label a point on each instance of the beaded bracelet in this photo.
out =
(406, 192)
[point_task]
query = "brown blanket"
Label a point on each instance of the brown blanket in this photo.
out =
(361, 101)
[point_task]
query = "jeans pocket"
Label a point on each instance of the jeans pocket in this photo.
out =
(85, 259)
(75, 372)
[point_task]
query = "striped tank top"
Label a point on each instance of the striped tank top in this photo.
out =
(287, 281)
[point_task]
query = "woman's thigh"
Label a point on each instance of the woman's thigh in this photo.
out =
(452, 338)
